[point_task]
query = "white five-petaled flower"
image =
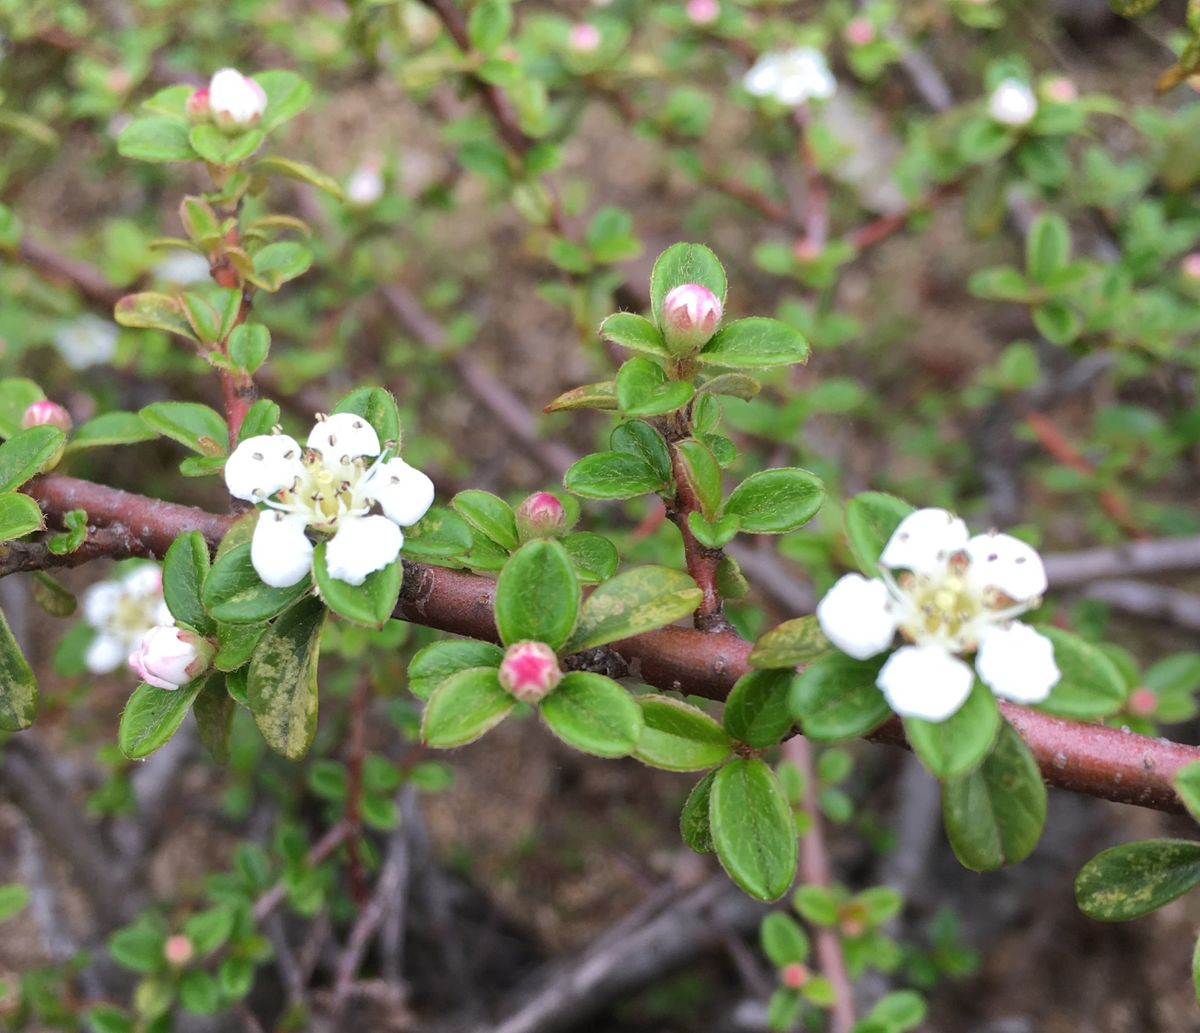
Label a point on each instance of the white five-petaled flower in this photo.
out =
(87, 341)
(791, 76)
(236, 101)
(331, 487)
(1012, 103)
(949, 595)
(121, 611)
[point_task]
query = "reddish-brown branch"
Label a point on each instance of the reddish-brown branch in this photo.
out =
(1093, 759)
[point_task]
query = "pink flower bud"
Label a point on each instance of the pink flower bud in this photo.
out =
(691, 314)
(237, 101)
(178, 950)
(169, 657)
(806, 250)
(1191, 266)
(540, 516)
(794, 975)
(702, 12)
(530, 671)
(1060, 89)
(1142, 702)
(859, 32)
(584, 38)
(197, 106)
(46, 412)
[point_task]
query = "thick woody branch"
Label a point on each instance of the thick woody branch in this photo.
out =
(1092, 759)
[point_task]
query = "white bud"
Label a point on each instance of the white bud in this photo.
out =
(169, 657)
(235, 100)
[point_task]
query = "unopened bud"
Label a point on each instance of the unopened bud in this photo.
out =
(702, 12)
(1142, 702)
(169, 657)
(237, 101)
(530, 671)
(198, 109)
(806, 250)
(691, 314)
(1060, 89)
(540, 516)
(45, 412)
(794, 975)
(859, 32)
(178, 950)
(1190, 266)
(1012, 103)
(584, 38)
(365, 185)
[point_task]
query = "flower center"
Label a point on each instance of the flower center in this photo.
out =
(327, 490)
(942, 610)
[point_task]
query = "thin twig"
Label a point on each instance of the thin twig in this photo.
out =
(356, 749)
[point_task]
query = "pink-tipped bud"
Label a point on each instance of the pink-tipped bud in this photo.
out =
(1060, 89)
(237, 101)
(859, 32)
(584, 38)
(178, 950)
(1190, 266)
(691, 314)
(1142, 703)
(794, 975)
(540, 516)
(806, 250)
(530, 671)
(169, 657)
(702, 12)
(39, 414)
(198, 109)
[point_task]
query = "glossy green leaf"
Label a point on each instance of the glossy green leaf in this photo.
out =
(871, 519)
(185, 567)
(590, 396)
(639, 438)
(236, 644)
(593, 714)
(152, 311)
(200, 428)
(464, 707)
(439, 661)
(213, 709)
(274, 165)
(757, 708)
(753, 830)
(16, 395)
(369, 604)
(1187, 785)
(110, 428)
(643, 389)
(794, 642)
(280, 262)
(488, 514)
(594, 556)
(19, 516)
(612, 475)
(783, 940)
(18, 686)
(635, 333)
(1089, 686)
(677, 736)
(25, 454)
(155, 138)
(378, 407)
(219, 148)
(694, 825)
(440, 534)
(836, 697)
(249, 345)
(537, 595)
(776, 501)
(287, 95)
(755, 343)
(153, 715)
(685, 263)
(635, 601)
(1047, 247)
(235, 594)
(282, 685)
(1131, 880)
(956, 746)
(703, 474)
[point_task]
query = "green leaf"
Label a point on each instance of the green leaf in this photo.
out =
(537, 595)
(1187, 785)
(378, 407)
(776, 501)
(287, 95)
(871, 519)
(677, 736)
(439, 661)
(756, 711)
(138, 947)
(1090, 684)
(793, 642)
(1133, 879)
(249, 345)
(489, 515)
(235, 594)
(280, 262)
(155, 138)
(635, 333)
(28, 452)
(153, 715)
(999, 283)
(639, 438)
(594, 556)
(784, 942)
(274, 165)
(694, 826)
(198, 992)
(209, 929)
(703, 473)
(685, 263)
(236, 644)
(736, 385)
(110, 428)
(956, 746)
(149, 310)
(197, 426)
(900, 1011)
(593, 714)
(16, 395)
(715, 534)
(464, 707)
(635, 601)
(590, 396)
(52, 596)
(185, 567)
(440, 534)
(260, 418)
(13, 898)
(282, 684)
(836, 697)
(753, 830)
(612, 475)
(489, 25)
(643, 389)
(213, 709)
(1048, 247)
(755, 343)
(369, 604)
(1057, 321)
(18, 687)
(994, 816)
(19, 516)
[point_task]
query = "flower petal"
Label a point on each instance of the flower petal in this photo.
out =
(404, 492)
(145, 580)
(100, 603)
(344, 434)
(926, 682)
(362, 546)
(1017, 663)
(1006, 563)
(261, 465)
(924, 541)
(280, 551)
(763, 78)
(856, 616)
(105, 653)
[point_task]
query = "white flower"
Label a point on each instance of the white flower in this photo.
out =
(181, 268)
(235, 100)
(949, 595)
(87, 341)
(791, 76)
(365, 185)
(1012, 103)
(169, 657)
(330, 487)
(121, 612)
